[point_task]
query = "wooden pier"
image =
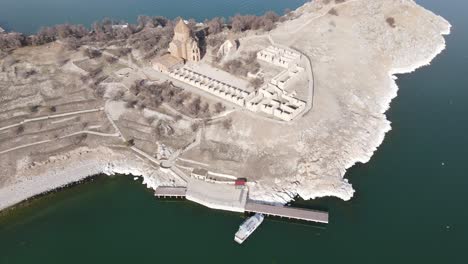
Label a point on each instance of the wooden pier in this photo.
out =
(287, 212)
(170, 192)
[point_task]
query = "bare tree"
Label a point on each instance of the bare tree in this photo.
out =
(333, 12)
(271, 16)
(118, 95)
(20, 129)
(219, 107)
(256, 82)
(11, 41)
(99, 91)
(227, 123)
(144, 21)
(251, 22)
(194, 126)
(72, 43)
(92, 53)
(391, 22)
(130, 142)
(131, 103)
(110, 59)
(195, 106)
(34, 108)
(80, 138)
(215, 25)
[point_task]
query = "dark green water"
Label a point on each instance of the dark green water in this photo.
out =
(409, 208)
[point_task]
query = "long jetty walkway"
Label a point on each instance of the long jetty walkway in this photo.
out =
(288, 212)
(253, 207)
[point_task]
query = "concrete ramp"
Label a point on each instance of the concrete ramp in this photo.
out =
(217, 196)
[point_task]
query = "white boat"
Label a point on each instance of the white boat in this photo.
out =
(248, 227)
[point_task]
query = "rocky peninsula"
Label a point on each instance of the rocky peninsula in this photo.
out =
(71, 111)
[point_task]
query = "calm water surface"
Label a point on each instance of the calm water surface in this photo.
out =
(29, 15)
(409, 208)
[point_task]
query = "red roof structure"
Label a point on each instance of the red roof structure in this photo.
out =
(240, 182)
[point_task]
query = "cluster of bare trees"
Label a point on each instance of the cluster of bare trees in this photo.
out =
(215, 25)
(147, 21)
(256, 82)
(152, 41)
(150, 34)
(227, 123)
(92, 53)
(72, 35)
(93, 80)
(163, 128)
(251, 22)
(63, 31)
(11, 41)
(153, 95)
(242, 66)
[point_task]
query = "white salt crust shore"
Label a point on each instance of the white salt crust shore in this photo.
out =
(78, 171)
(287, 194)
(381, 135)
(58, 178)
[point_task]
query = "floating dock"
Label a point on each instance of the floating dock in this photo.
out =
(170, 192)
(248, 206)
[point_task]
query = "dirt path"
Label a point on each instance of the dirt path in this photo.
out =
(51, 117)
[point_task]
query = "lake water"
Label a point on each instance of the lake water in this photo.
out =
(408, 208)
(29, 15)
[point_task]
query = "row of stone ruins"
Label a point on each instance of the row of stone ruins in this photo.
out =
(270, 99)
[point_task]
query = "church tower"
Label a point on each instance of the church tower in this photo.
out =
(184, 45)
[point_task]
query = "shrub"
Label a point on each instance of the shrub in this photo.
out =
(227, 124)
(92, 53)
(80, 138)
(391, 22)
(219, 107)
(34, 108)
(20, 129)
(256, 82)
(99, 91)
(215, 25)
(110, 59)
(194, 126)
(333, 12)
(130, 142)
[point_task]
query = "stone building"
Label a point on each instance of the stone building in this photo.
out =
(184, 45)
(167, 63)
(228, 47)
